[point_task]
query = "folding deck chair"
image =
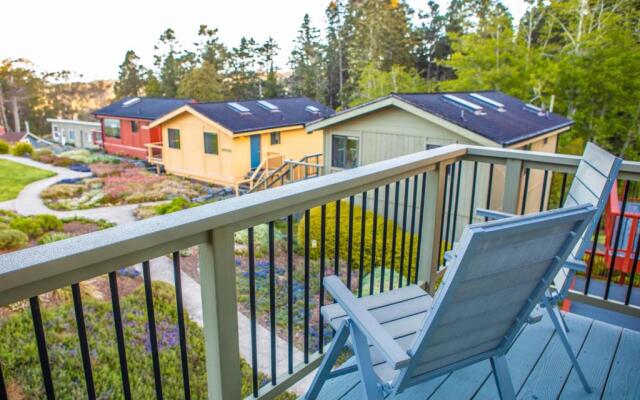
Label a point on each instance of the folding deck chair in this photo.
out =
(596, 174)
(499, 272)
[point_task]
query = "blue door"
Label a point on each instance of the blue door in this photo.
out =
(255, 151)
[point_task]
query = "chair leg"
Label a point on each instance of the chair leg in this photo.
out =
(555, 316)
(330, 358)
(370, 382)
(564, 322)
(503, 378)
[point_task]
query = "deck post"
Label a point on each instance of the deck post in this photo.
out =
(219, 310)
(511, 193)
(430, 235)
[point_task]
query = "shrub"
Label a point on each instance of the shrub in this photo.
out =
(314, 231)
(51, 237)
(39, 154)
(49, 222)
(4, 147)
(102, 223)
(22, 369)
(28, 225)
(61, 191)
(6, 216)
(11, 239)
(63, 161)
(22, 149)
(177, 204)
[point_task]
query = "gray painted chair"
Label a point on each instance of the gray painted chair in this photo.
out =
(499, 272)
(596, 174)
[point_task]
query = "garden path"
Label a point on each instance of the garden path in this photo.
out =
(29, 202)
(162, 270)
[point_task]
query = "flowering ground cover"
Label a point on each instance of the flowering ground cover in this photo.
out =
(118, 184)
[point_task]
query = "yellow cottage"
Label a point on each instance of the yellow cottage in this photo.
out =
(237, 143)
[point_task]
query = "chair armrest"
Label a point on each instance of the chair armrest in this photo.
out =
(448, 255)
(575, 265)
(483, 212)
(366, 322)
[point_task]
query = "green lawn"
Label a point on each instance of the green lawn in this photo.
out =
(15, 176)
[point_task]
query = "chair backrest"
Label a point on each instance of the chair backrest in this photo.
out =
(499, 273)
(592, 183)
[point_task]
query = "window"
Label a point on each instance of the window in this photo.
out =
(344, 151)
(210, 143)
(275, 137)
(174, 138)
(134, 126)
(432, 146)
(112, 128)
(72, 135)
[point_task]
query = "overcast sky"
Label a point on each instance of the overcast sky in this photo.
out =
(91, 38)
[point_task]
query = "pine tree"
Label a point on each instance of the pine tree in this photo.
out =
(306, 61)
(268, 74)
(172, 62)
(131, 77)
(243, 70)
(335, 56)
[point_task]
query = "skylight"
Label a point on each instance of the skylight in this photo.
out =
(463, 103)
(239, 108)
(131, 102)
(534, 109)
(490, 102)
(268, 106)
(312, 109)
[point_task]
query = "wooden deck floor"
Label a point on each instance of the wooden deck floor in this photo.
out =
(539, 366)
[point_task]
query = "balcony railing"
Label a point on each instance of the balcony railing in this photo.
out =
(295, 235)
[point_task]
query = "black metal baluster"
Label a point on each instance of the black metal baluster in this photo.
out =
(373, 241)
(323, 236)
(336, 249)
(544, 190)
(3, 386)
(117, 322)
(153, 340)
(350, 243)
(617, 241)
(82, 337)
(594, 247)
(363, 224)
(394, 234)
(177, 277)
(634, 266)
(272, 300)
(307, 223)
(455, 207)
(290, 291)
(473, 191)
(420, 223)
(42, 347)
(525, 191)
(404, 230)
(489, 189)
(384, 236)
(450, 206)
(562, 190)
(413, 227)
(444, 203)
(252, 310)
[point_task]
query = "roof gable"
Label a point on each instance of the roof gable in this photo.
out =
(255, 115)
(148, 108)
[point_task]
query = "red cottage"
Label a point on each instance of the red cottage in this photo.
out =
(125, 124)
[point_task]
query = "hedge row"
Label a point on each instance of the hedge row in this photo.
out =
(314, 233)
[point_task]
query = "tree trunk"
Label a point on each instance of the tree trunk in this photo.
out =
(13, 102)
(3, 112)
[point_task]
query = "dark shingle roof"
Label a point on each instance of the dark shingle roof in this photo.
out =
(146, 108)
(292, 112)
(12, 137)
(514, 125)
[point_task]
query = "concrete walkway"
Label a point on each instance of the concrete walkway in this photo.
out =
(29, 202)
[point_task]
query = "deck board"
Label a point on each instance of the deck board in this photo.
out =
(539, 368)
(595, 359)
(624, 377)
